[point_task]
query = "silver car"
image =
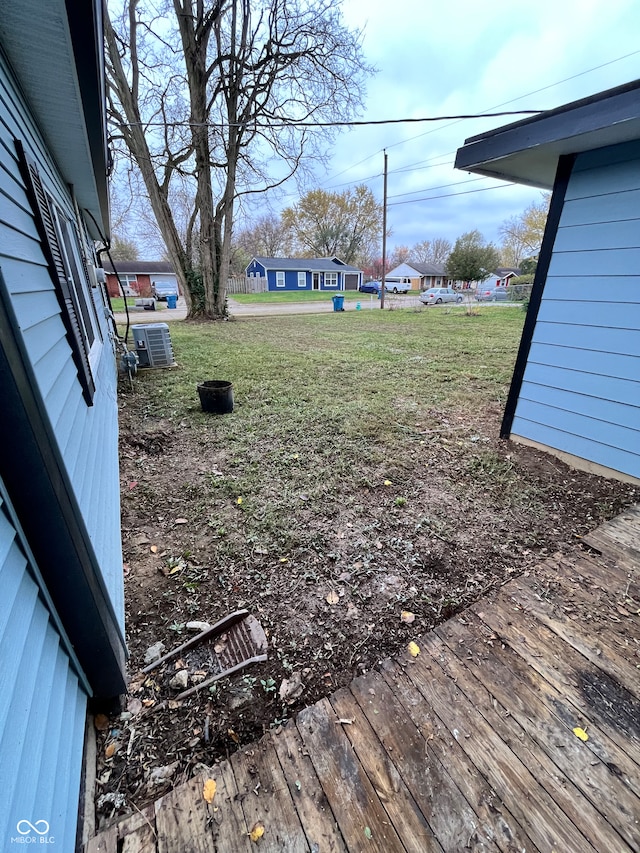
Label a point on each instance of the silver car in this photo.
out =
(438, 295)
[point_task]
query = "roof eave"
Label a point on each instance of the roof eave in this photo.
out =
(55, 50)
(528, 151)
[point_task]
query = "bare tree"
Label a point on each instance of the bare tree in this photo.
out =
(432, 251)
(267, 237)
(213, 94)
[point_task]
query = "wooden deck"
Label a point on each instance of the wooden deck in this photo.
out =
(469, 746)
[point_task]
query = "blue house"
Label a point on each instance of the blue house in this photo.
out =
(297, 274)
(576, 384)
(62, 641)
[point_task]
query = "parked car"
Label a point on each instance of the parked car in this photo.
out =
(161, 289)
(438, 295)
(370, 287)
(492, 294)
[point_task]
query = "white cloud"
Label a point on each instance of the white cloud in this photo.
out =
(462, 56)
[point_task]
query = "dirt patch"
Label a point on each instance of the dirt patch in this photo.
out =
(340, 575)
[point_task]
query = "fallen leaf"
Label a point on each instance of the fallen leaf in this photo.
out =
(209, 790)
(154, 549)
(257, 831)
(110, 750)
(333, 597)
(148, 703)
(101, 722)
(387, 482)
(284, 560)
(413, 649)
(239, 501)
(578, 732)
(407, 617)
(234, 737)
(133, 484)
(181, 521)
(134, 706)
(378, 545)
(367, 833)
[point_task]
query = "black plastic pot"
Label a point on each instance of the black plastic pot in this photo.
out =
(216, 396)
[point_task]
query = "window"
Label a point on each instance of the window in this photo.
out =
(61, 246)
(279, 279)
(331, 279)
(302, 279)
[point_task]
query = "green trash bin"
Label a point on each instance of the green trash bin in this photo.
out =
(338, 303)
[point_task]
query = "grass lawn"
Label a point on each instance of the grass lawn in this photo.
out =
(360, 476)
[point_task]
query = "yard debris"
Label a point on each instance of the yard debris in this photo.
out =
(160, 775)
(413, 649)
(580, 733)
(154, 652)
(291, 688)
(257, 831)
(101, 722)
(180, 680)
(232, 643)
(407, 617)
(198, 626)
(333, 597)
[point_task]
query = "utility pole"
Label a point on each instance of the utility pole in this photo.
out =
(384, 233)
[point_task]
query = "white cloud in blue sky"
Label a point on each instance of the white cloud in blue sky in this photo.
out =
(457, 56)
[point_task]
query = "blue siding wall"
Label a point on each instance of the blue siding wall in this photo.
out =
(87, 435)
(42, 707)
(581, 388)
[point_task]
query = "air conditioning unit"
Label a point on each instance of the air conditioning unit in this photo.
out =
(153, 345)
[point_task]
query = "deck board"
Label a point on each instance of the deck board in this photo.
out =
(468, 747)
(266, 800)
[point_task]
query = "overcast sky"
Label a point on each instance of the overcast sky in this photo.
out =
(448, 57)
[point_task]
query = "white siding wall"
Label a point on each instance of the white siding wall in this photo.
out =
(581, 387)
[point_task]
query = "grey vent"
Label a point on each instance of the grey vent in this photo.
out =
(153, 345)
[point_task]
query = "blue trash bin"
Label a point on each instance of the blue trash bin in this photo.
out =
(338, 303)
(172, 300)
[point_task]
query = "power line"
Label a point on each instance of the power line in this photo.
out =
(449, 195)
(495, 106)
(293, 123)
(441, 187)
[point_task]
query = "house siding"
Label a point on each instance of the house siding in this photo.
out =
(86, 435)
(43, 692)
(581, 387)
(43, 705)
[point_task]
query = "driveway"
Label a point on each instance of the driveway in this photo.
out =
(368, 302)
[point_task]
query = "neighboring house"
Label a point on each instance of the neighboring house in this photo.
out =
(61, 586)
(502, 276)
(576, 385)
(419, 276)
(298, 274)
(137, 277)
